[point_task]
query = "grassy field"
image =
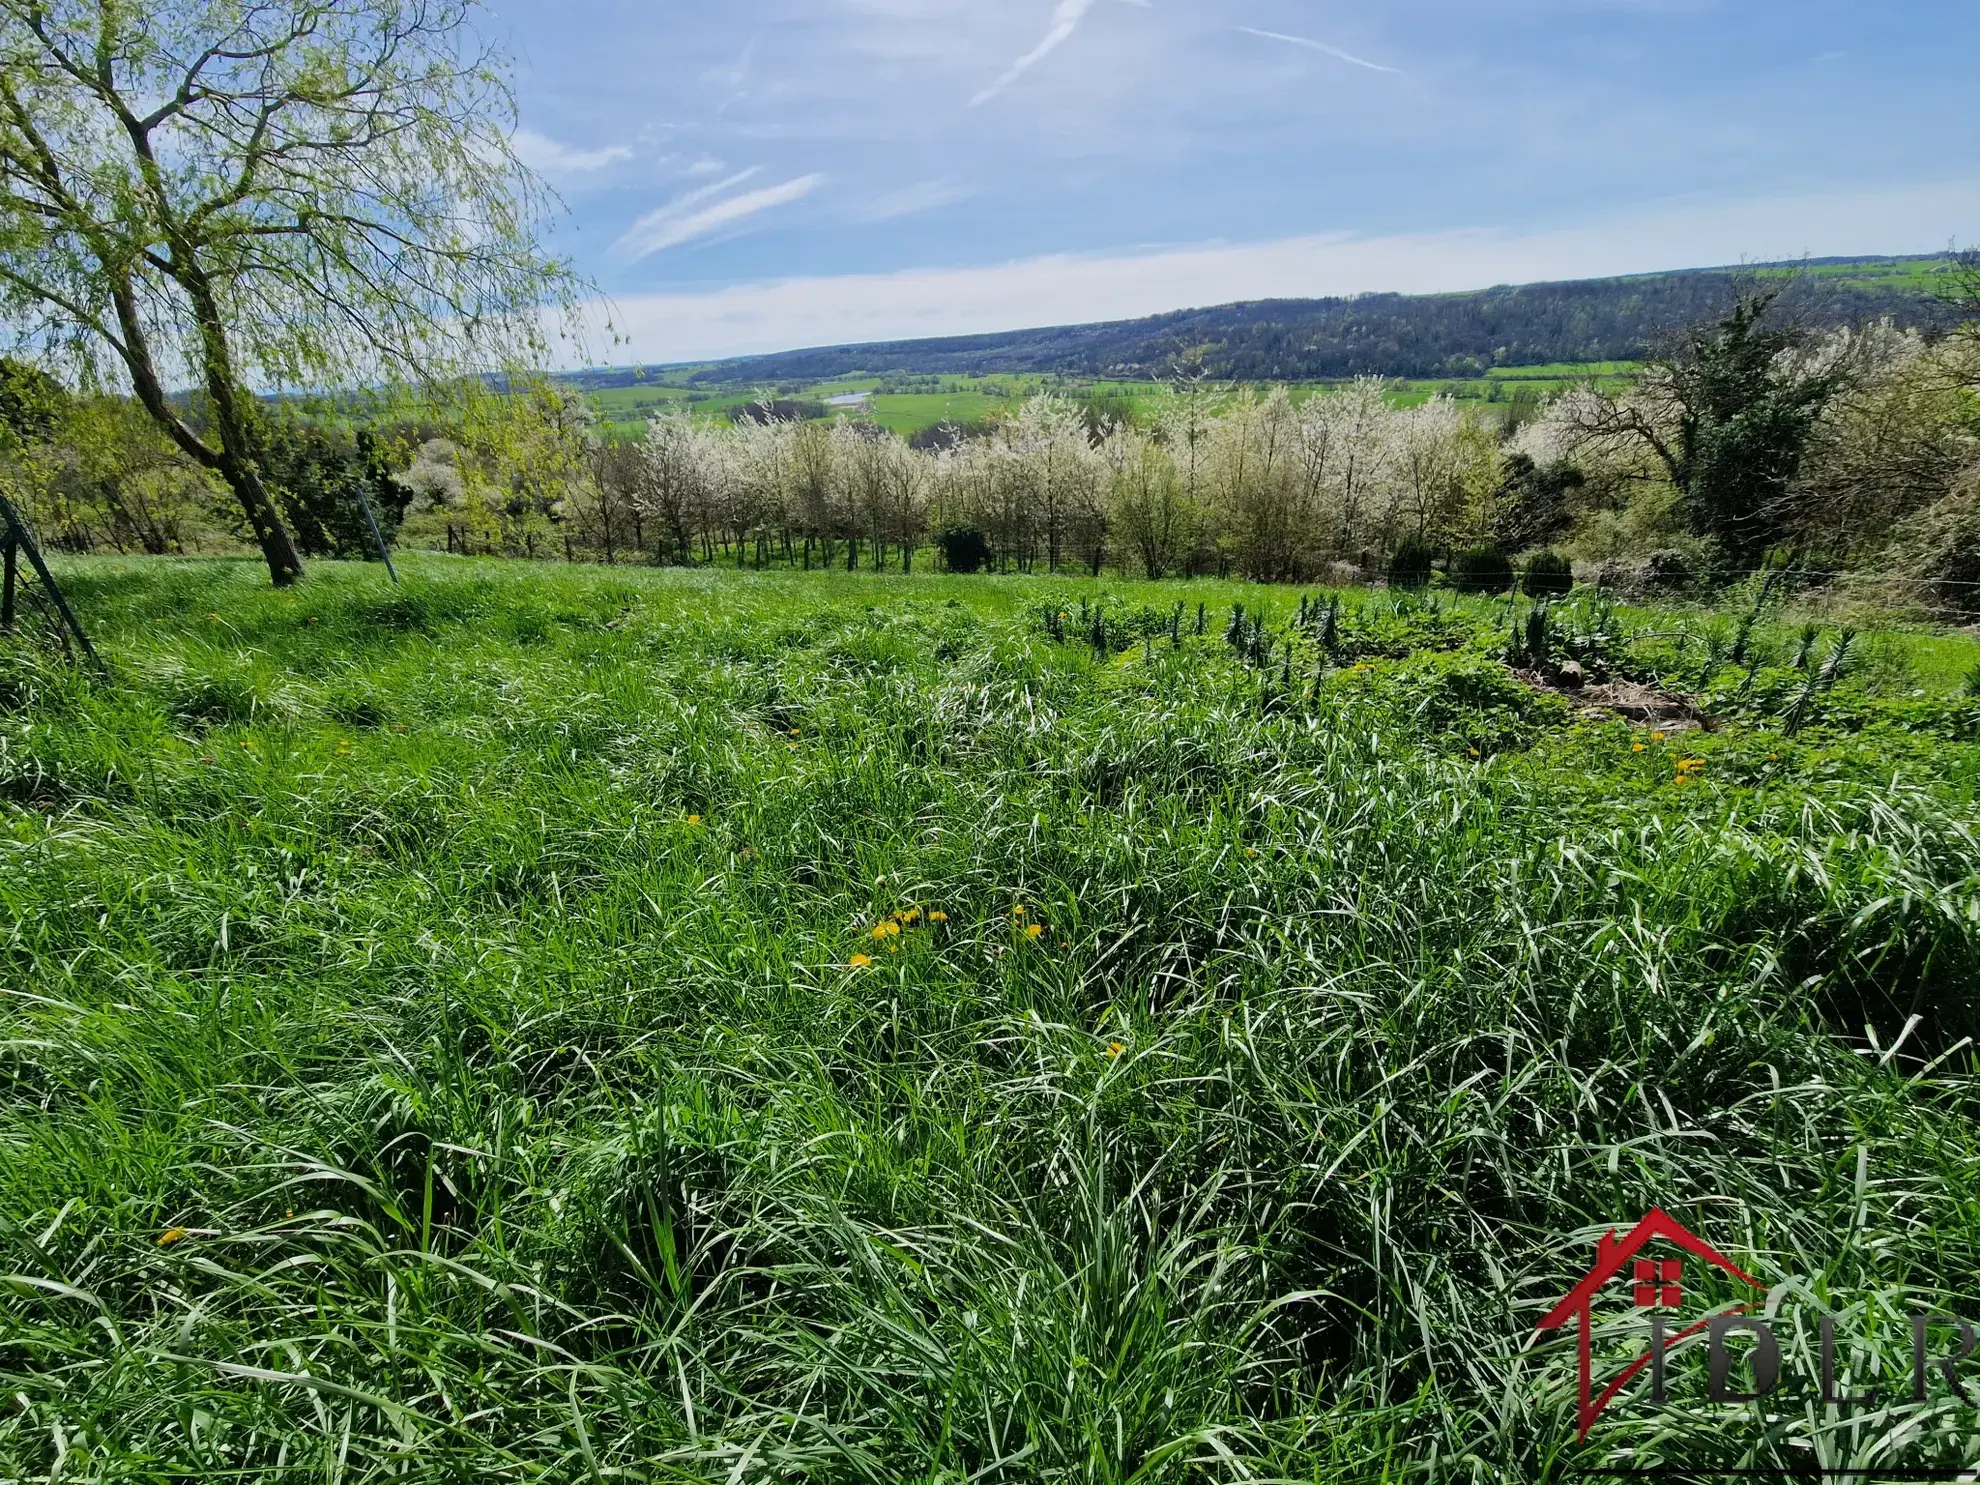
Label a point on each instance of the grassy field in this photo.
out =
(964, 400)
(624, 410)
(1510, 384)
(1905, 273)
(583, 1024)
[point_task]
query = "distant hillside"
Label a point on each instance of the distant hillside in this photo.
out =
(1445, 335)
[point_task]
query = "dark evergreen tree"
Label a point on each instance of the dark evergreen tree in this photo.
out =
(1482, 570)
(1410, 566)
(1746, 414)
(1548, 575)
(964, 549)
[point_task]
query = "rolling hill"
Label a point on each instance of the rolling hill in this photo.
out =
(1445, 335)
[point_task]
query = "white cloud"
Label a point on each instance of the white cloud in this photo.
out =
(685, 218)
(1067, 289)
(1065, 20)
(549, 157)
(1320, 46)
(929, 195)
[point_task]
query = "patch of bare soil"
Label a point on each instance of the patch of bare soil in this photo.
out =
(1646, 706)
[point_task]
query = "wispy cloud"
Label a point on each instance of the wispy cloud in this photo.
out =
(1065, 20)
(687, 217)
(929, 195)
(546, 155)
(1320, 46)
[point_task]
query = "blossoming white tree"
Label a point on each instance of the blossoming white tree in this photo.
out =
(1272, 486)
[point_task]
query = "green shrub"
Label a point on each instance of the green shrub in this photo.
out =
(964, 549)
(1666, 572)
(1549, 575)
(1410, 566)
(1482, 570)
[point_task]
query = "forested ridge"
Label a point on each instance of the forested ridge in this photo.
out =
(1444, 335)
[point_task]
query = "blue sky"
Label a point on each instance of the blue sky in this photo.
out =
(753, 176)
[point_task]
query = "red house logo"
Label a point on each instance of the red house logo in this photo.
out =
(1658, 1286)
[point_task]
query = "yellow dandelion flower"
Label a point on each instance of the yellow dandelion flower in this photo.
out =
(1658, 736)
(1114, 1049)
(172, 1235)
(797, 732)
(1018, 911)
(1034, 931)
(1639, 748)
(938, 917)
(885, 931)
(791, 746)
(1773, 757)
(694, 819)
(861, 961)
(1251, 850)
(912, 915)
(1474, 752)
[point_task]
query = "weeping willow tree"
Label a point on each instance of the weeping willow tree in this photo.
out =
(237, 195)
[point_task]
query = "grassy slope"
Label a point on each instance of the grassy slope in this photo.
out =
(468, 973)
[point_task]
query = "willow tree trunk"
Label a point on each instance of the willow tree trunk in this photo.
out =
(233, 461)
(233, 416)
(278, 547)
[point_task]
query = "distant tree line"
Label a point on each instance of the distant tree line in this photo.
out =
(1749, 440)
(1396, 335)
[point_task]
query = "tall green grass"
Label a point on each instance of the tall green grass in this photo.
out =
(435, 1043)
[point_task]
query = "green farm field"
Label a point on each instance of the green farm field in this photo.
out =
(624, 410)
(553, 1023)
(967, 400)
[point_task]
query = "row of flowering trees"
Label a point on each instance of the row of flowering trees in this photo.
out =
(1858, 451)
(1257, 483)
